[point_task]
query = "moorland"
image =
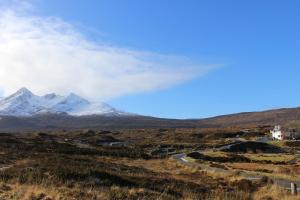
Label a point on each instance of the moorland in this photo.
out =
(147, 163)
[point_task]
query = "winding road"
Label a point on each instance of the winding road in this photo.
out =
(284, 183)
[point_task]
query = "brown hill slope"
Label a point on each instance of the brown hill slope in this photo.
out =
(270, 117)
(290, 117)
(40, 122)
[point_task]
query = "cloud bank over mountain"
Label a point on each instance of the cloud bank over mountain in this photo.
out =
(48, 54)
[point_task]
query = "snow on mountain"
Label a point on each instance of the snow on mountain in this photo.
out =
(25, 103)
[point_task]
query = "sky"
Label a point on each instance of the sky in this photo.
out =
(164, 58)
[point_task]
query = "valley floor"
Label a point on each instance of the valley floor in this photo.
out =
(136, 164)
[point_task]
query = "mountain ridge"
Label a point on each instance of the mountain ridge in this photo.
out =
(25, 103)
(24, 110)
(289, 117)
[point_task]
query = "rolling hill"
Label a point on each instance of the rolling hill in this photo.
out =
(289, 117)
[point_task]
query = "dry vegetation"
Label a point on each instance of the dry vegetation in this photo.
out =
(73, 165)
(273, 192)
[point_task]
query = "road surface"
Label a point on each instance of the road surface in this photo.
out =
(181, 158)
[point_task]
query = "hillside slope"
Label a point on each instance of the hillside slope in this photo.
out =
(288, 117)
(270, 117)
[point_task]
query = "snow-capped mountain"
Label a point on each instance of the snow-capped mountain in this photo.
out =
(25, 103)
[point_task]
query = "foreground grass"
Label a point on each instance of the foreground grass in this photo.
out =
(274, 158)
(277, 143)
(77, 177)
(273, 192)
(73, 167)
(255, 157)
(215, 154)
(36, 168)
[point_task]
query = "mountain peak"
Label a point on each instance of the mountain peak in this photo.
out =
(72, 97)
(23, 93)
(25, 103)
(24, 90)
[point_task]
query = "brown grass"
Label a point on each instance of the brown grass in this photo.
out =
(45, 167)
(270, 157)
(29, 192)
(279, 170)
(274, 192)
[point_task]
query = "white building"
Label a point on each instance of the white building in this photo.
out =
(277, 133)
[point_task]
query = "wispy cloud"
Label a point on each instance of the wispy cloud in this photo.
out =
(49, 54)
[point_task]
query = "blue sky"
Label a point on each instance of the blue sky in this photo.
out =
(255, 43)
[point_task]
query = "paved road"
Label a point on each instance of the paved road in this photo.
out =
(247, 175)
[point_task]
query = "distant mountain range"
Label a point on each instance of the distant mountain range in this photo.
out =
(25, 103)
(25, 111)
(287, 117)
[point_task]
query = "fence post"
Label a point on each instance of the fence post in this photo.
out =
(294, 189)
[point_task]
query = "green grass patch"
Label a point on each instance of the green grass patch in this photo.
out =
(277, 143)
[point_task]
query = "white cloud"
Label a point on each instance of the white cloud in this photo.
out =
(50, 55)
